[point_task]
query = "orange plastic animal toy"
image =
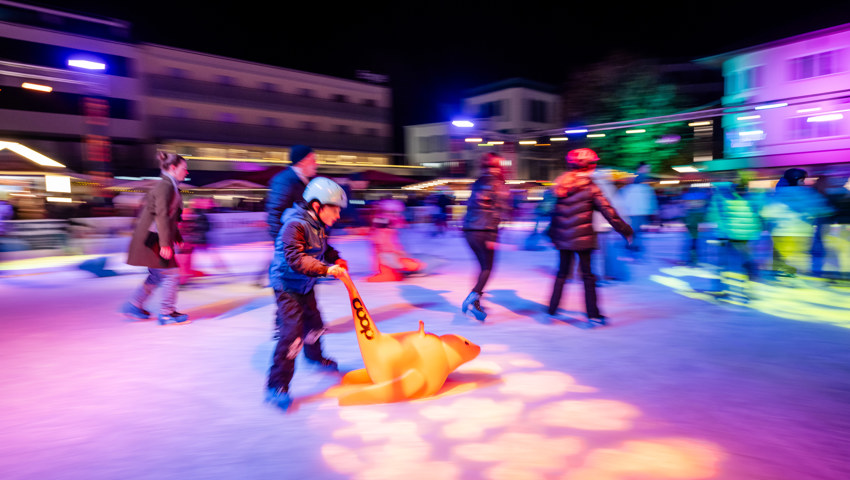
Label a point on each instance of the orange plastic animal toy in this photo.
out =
(400, 366)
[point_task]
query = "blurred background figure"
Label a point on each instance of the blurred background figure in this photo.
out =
(610, 243)
(391, 260)
(577, 197)
(831, 244)
(195, 228)
(442, 201)
(694, 201)
(542, 220)
(487, 207)
(640, 204)
(7, 212)
(792, 212)
(737, 222)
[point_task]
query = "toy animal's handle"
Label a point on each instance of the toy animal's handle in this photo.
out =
(363, 324)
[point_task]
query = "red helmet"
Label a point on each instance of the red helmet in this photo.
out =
(491, 160)
(581, 158)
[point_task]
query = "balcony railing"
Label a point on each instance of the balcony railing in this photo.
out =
(210, 92)
(163, 128)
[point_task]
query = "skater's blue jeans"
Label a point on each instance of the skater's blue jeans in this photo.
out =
(637, 247)
(165, 278)
(612, 246)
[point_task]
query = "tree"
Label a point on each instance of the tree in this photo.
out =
(624, 87)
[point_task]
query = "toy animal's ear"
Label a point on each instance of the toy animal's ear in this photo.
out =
(421, 328)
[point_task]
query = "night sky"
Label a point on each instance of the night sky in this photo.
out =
(434, 51)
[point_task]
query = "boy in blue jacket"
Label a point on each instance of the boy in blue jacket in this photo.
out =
(302, 254)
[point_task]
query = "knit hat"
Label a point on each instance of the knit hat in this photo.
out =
(794, 176)
(491, 160)
(298, 152)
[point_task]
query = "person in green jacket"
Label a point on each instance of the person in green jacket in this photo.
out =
(737, 223)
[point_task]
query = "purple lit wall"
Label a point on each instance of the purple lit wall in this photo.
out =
(797, 101)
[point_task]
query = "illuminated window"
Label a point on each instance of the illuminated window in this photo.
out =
(434, 143)
(490, 109)
(802, 129)
(730, 83)
(536, 111)
(814, 65)
(225, 80)
(744, 79)
(179, 112)
(227, 117)
(177, 73)
(753, 77)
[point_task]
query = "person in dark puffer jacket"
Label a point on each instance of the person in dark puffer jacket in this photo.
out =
(577, 197)
(487, 206)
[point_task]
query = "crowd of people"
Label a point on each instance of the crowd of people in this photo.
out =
(585, 210)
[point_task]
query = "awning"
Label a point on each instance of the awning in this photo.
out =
(780, 161)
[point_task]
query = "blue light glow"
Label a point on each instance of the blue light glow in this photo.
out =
(771, 105)
(86, 64)
(828, 117)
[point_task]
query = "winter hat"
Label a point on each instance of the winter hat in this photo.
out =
(298, 152)
(582, 158)
(491, 160)
(794, 175)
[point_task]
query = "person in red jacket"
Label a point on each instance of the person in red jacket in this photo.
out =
(576, 198)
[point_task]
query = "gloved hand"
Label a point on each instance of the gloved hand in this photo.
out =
(336, 271)
(342, 263)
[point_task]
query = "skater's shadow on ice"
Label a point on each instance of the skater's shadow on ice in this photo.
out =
(313, 378)
(574, 319)
(427, 299)
(518, 305)
(229, 308)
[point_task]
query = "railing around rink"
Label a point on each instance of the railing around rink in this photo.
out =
(97, 235)
(237, 227)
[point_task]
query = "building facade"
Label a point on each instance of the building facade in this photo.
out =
(83, 115)
(120, 100)
(787, 102)
(504, 114)
(229, 114)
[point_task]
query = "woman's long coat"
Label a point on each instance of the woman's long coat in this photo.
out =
(162, 205)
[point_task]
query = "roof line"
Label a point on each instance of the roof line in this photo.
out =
(775, 43)
(110, 22)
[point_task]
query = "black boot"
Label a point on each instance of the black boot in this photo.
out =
(557, 290)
